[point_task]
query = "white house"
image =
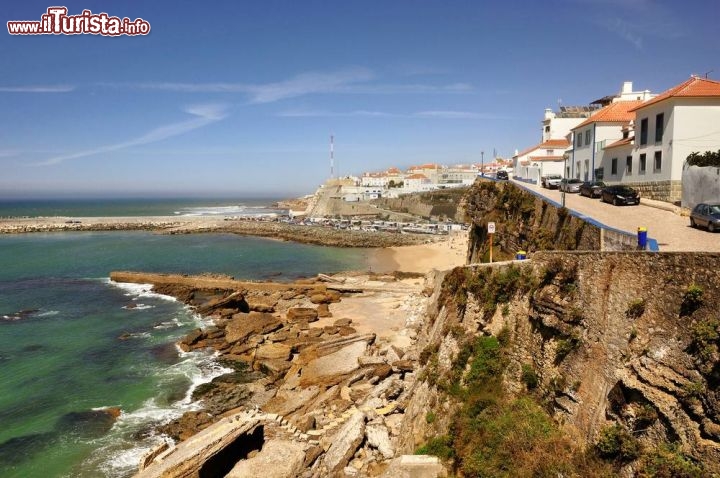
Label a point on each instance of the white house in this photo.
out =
(431, 171)
(592, 135)
(541, 159)
(416, 183)
(557, 125)
(458, 175)
(668, 128)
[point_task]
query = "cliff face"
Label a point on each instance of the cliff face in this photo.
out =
(599, 339)
(523, 222)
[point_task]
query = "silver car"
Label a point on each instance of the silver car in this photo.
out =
(570, 185)
(706, 215)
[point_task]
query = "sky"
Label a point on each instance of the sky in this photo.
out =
(239, 98)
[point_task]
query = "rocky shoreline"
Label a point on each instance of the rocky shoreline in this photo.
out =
(322, 370)
(193, 225)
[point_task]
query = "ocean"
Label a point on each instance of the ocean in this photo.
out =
(72, 342)
(135, 207)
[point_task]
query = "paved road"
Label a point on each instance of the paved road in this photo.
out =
(672, 231)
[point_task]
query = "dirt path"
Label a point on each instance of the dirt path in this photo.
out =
(672, 231)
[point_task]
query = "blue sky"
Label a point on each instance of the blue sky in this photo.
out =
(238, 98)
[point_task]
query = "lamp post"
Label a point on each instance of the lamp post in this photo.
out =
(482, 163)
(562, 193)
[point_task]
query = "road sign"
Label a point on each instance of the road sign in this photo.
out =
(491, 228)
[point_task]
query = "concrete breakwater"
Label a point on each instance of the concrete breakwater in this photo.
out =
(192, 225)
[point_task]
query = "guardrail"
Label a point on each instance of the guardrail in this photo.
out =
(612, 238)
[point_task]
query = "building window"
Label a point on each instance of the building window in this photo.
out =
(547, 129)
(550, 152)
(658, 161)
(613, 167)
(628, 165)
(578, 140)
(659, 127)
(643, 131)
(642, 163)
(587, 137)
(577, 169)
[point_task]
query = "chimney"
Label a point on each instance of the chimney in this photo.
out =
(627, 87)
(549, 113)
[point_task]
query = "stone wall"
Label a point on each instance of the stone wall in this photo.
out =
(668, 191)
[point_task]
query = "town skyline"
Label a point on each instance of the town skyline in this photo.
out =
(210, 101)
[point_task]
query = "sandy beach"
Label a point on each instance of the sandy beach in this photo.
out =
(422, 258)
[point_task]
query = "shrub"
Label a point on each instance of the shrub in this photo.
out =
(692, 300)
(616, 443)
(430, 417)
(440, 447)
(529, 377)
(708, 158)
(564, 347)
(666, 461)
(636, 309)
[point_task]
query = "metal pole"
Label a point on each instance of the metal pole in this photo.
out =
(482, 163)
(491, 244)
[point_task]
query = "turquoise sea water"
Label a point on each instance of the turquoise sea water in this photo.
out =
(60, 352)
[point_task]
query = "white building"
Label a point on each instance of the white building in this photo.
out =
(417, 183)
(458, 175)
(557, 125)
(540, 160)
(668, 128)
(431, 171)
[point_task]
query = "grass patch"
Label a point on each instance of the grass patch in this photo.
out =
(692, 300)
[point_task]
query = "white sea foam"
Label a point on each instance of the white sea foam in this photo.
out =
(139, 290)
(48, 313)
(139, 307)
(213, 211)
(117, 453)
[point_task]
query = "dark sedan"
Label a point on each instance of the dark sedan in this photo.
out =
(501, 175)
(618, 195)
(706, 215)
(592, 189)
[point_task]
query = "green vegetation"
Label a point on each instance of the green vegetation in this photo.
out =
(565, 346)
(692, 300)
(666, 461)
(706, 342)
(708, 158)
(529, 376)
(616, 443)
(636, 309)
(438, 446)
(430, 417)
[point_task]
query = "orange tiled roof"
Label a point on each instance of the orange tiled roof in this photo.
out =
(417, 176)
(621, 142)
(393, 170)
(693, 88)
(619, 112)
(549, 144)
(545, 158)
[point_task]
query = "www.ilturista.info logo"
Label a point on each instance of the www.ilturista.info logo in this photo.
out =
(57, 22)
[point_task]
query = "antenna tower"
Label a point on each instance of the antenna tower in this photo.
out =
(332, 157)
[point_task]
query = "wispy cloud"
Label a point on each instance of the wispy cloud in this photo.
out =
(346, 81)
(447, 114)
(37, 89)
(203, 115)
(439, 114)
(624, 30)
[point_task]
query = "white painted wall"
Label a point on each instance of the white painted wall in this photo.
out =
(700, 185)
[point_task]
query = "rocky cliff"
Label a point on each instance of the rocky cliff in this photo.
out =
(620, 349)
(524, 222)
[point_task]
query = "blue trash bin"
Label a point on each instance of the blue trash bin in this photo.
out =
(642, 238)
(521, 255)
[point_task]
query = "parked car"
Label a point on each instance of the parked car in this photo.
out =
(618, 195)
(501, 175)
(570, 185)
(550, 181)
(706, 215)
(592, 189)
